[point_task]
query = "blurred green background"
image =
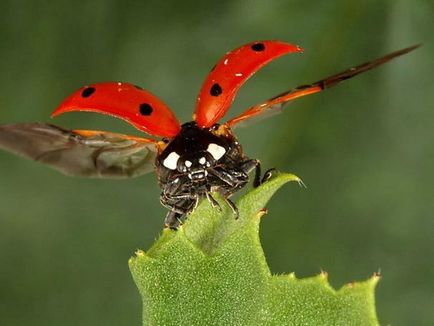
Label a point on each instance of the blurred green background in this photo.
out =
(365, 149)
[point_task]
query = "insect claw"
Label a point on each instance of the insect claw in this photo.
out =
(173, 220)
(180, 222)
(233, 207)
(214, 203)
(268, 174)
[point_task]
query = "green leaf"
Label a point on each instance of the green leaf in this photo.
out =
(212, 271)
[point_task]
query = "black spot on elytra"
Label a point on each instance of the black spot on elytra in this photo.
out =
(145, 109)
(216, 90)
(88, 91)
(258, 47)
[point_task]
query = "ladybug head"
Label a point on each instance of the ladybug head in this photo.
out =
(193, 151)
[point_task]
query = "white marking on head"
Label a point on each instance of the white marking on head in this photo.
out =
(216, 151)
(188, 163)
(202, 160)
(171, 161)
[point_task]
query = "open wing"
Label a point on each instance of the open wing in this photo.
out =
(229, 74)
(85, 153)
(139, 107)
(276, 103)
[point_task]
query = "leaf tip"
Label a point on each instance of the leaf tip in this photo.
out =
(261, 213)
(324, 275)
(289, 177)
(369, 283)
(375, 278)
(139, 253)
(300, 183)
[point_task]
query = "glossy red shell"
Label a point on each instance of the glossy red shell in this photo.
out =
(138, 107)
(222, 84)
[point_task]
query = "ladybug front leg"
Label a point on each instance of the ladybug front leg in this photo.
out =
(249, 165)
(179, 211)
(233, 207)
(268, 174)
(173, 220)
(228, 182)
(214, 203)
(174, 185)
(178, 198)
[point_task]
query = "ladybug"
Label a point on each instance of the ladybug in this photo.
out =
(191, 160)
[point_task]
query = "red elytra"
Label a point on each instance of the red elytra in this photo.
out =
(222, 84)
(124, 100)
(148, 113)
(137, 106)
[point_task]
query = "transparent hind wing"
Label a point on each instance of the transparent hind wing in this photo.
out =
(84, 153)
(277, 103)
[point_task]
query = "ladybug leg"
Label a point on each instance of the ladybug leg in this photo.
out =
(173, 192)
(224, 176)
(173, 186)
(230, 203)
(182, 204)
(179, 210)
(171, 201)
(214, 203)
(173, 220)
(257, 180)
(229, 184)
(233, 207)
(233, 179)
(268, 174)
(248, 166)
(178, 198)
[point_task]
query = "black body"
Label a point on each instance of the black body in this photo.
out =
(197, 162)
